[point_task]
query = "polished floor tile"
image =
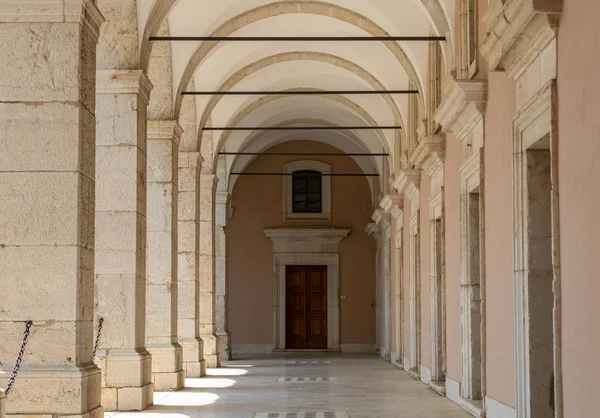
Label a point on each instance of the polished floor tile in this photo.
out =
(331, 386)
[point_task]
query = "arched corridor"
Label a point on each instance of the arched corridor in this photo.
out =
(198, 192)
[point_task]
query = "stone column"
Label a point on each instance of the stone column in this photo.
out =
(208, 183)
(221, 315)
(122, 98)
(161, 253)
(188, 267)
(47, 140)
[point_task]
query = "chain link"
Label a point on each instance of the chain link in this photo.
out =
(15, 372)
(100, 322)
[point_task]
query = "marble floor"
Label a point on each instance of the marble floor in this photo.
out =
(300, 385)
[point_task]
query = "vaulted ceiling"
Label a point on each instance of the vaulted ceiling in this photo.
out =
(263, 66)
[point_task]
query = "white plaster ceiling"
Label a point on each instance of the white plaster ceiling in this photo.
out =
(292, 65)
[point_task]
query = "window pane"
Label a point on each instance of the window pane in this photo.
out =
(306, 186)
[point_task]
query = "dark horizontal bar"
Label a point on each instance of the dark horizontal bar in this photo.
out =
(299, 38)
(309, 154)
(300, 128)
(296, 92)
(291, 174)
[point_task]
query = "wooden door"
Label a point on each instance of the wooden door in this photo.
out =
(306, 307)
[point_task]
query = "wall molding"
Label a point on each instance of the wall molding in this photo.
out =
(496, 409)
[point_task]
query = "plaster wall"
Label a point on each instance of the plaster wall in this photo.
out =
(257, 205)
(424, 195)
(499, 297)
(579, 171)
(453, 256)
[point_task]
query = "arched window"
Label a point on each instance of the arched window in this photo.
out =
(307, 192)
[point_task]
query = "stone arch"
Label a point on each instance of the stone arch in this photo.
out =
(269, 99)
(163, 8)
(297, 56)
(291, 7)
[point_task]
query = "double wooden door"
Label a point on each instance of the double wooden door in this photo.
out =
(306, 307)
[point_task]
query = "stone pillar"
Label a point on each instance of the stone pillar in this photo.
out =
(208, 183)
(2, 404)
(188, 267)
(161, 253)
(122, 98)
(221, 288)
(47, 140)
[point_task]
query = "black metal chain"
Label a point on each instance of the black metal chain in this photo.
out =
(98, 336)
(15, 372)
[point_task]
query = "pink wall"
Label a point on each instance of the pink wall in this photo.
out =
(453, 266)
(500, 301)
(406, 266)
(579, 172)
(257, 203)
(425, 193)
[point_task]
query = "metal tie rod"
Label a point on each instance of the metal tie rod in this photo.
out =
(299, 128)
(297, 92)
(298, 38)
(309, 154)
(322, 174)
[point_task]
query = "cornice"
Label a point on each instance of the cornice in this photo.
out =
(322, 235)
(518, 30)
(123, 82)
(429, 149)
(407, 183)
(165, 130)
(463, 106)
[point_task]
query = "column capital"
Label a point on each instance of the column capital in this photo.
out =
(222, 198)
(463, 106)
(208, 181)
(392, 204)
(190, 159)
(381, 218)
(373, 230)
(52, 11)
(123, 82)
(165, 130)
(408, 182)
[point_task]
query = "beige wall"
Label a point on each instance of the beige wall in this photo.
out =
(453, 267)
(257, 204)
(579, 175)
(499, 297)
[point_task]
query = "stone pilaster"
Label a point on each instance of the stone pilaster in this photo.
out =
(221, 315)
(47, 131)
(122, 98)
(161, 251)
(188, 267)
(208, 183)
(374, 231)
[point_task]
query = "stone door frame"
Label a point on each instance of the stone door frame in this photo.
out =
(306, 247)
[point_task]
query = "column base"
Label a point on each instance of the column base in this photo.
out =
(126, 379)
(211, 351)
(224, 345)
(167, 367)
(128, 398)
(56, 393)
(193, 358)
